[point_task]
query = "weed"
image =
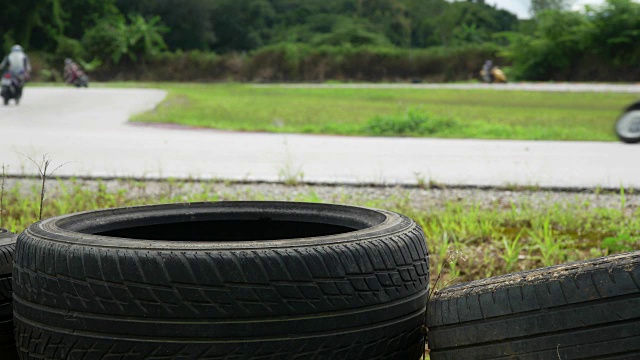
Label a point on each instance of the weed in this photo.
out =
(415, 123)
(512, 250)
(43, 170)
(421, 182)
(620, 243)
(289, 174)
(290, 177)
(549, 245)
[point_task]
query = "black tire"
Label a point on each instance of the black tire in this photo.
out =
(622, 133)
(5, 100)
(245, 280)
(582, 310)
(7, 248)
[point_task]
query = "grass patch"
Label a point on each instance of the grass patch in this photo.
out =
(397, 112)
(467, 240)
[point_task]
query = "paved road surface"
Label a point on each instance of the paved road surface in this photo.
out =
(88, 129)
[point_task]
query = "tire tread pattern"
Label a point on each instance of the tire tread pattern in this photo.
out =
(575, 311)
(192, 285)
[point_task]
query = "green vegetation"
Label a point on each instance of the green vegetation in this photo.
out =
(398, 112)
(599, 44)
(467, 240)
(318, 40)
(303, 62)
(246, 25)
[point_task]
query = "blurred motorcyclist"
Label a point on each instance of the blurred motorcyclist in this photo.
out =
(74, 75)
(17, 63)
(71, 71)
(491, 73)
(486, 71)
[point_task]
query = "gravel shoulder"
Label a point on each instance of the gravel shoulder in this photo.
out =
(420, 198)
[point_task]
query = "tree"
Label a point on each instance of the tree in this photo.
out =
(471, 22)
(538, 6)
(617, 31)
(114, 38)
(242, 25)
(189, 20)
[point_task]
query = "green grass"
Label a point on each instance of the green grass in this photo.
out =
(467, 240)
(439, 113)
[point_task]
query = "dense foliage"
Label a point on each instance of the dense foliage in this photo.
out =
(117, 35)
(601, 44)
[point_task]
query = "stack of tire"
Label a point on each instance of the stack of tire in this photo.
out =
(271, 280)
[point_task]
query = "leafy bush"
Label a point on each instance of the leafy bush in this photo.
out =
(349, 32)
(114, 38)
(616, 31)
(558, 42)
(415, 123)
(69, 48)
(107, 39)
(300, 62)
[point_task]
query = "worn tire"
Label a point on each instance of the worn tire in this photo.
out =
(582, 310)
(243, 280)
(7, 342)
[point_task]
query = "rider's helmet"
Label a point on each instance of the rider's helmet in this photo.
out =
(68, 61)
(16, 48)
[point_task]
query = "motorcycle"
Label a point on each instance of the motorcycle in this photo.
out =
(81, 81)
(11, 88)
(628, 124)
(495, 75)
(77, 78)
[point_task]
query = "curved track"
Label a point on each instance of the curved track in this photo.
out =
(88, 130)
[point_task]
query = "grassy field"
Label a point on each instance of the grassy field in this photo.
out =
(398, 112)
(467, 239)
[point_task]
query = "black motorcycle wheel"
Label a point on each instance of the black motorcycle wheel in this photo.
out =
(628, 125)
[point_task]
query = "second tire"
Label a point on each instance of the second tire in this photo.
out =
(582, 310)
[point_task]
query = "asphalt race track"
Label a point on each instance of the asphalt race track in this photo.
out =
(87, 129)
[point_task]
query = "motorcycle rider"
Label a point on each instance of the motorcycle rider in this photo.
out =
(71, 71)
(17, 63)
(486, 72)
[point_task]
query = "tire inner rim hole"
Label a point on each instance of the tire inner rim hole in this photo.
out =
(229, 230)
